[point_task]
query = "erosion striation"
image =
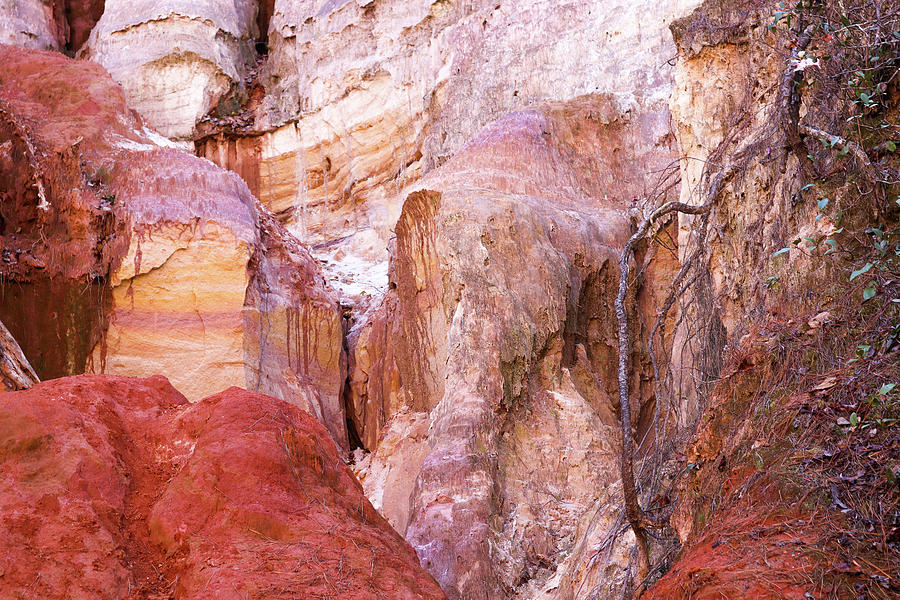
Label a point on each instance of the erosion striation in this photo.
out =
(358, 100)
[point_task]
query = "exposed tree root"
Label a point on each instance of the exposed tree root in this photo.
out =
(15, 371)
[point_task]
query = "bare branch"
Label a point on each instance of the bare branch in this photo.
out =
(835, 140)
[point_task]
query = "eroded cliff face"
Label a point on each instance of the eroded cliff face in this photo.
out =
(363, 98)
(416, 243)
(193, 56)
(29, 24)
(49, 24)
(354, 104)
(124, 255)
(499, 335)
(768, 464)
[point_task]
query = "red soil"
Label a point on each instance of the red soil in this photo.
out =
(779, 501)
(118, 488)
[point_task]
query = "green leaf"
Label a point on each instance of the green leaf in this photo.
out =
(861, 271)
(807, 186)
(831, 243)
(869, 293)
(891, 146)
(854, 419)
(822, 203)
(780, 252)
(886, 389)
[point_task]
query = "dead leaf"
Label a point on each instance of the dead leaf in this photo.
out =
(825, 384)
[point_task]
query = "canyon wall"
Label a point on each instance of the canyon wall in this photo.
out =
(49, 24)
(29, 24)
(404, 218)
(494, 387)
(362, 98)
(355, 103)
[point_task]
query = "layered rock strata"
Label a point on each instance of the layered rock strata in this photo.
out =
(142, 259)
(193, 56)
(363, 98)
(118, 488)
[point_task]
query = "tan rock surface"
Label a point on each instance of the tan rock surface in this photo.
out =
(213, 291)
(178, 295)
(175, 60)
(293, 330)
(726, 92)
(389, 473)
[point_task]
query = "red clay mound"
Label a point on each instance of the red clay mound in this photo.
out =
(118, 488)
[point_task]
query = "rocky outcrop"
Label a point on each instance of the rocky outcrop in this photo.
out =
(293, 330)
(766, 468)
(58, 233)
(126, 256)
(193, 56)
(28, 23)
(490, 361)
(728, 108)
(118, 488)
